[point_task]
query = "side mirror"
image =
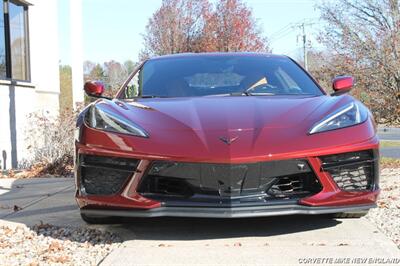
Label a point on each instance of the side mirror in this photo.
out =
(94, 88)
(342, 84)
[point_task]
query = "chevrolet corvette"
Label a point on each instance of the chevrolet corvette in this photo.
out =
(225, 135)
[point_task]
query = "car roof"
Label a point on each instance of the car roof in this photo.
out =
(211, 54)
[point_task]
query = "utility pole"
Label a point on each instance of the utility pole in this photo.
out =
(304, 45)
(302, 26)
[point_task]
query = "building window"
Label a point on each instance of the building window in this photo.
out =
(18, 40)
(14, 46)
(3, 73)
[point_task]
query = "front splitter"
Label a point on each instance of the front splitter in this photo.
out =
(237, 212)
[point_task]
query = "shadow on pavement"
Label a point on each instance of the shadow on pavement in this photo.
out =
(51, 201)
(169, 228)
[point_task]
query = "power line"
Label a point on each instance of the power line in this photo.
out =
(293, 26)
(281, 35)
(282, 31)
(289, 28)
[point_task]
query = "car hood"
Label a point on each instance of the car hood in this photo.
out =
(228, 128)
(220, 113)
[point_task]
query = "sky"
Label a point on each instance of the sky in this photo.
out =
(112, 30)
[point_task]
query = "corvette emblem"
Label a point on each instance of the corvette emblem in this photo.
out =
(301, 166)
(228, 141)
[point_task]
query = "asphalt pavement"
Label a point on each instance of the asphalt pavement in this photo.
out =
(390, 134)
(287, 240)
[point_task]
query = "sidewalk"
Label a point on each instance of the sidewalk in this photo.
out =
(40, 199)
(183, 241)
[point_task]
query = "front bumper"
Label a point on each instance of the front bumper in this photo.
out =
(127, 200)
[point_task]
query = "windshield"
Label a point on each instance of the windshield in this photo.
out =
(194, 76)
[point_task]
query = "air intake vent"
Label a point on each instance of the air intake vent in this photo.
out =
(105, 175)
(354, 171)
(168, 186)
(299, 185)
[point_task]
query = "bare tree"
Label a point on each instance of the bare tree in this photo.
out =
(115, 73)
(93, 71)
(198, 26)
(364, 36)
(174, 27)
(232, 27)
(65, 98)
(129, 66)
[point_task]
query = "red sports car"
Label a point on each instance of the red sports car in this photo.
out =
(225, 135)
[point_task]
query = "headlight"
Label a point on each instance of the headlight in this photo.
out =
(347, 116)
(100, 118)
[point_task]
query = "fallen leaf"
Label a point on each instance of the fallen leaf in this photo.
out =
(382, 204)
(54, 259)
(55, 246)
(17, 208)
(61, 259)
(8, 231)
(5, 245)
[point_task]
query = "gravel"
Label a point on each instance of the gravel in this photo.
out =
(46, 244)
(387, 216)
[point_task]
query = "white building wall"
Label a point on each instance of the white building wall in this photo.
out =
(5, 143)
(25, 103)
(43, 20)
(42, 92)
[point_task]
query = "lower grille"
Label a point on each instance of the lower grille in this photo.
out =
(168, 186)
(353, 171)
(197, 183)
(293, 185)
(105, 175)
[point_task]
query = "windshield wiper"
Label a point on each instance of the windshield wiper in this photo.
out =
(261, 94)
(240, 93)
(246, 93)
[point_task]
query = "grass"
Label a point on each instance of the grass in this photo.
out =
(389, 143)
(390, 162)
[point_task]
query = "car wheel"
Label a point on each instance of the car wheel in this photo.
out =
(349, 214)
(98, 219)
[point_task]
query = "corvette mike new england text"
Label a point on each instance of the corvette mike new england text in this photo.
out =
(349, 260)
